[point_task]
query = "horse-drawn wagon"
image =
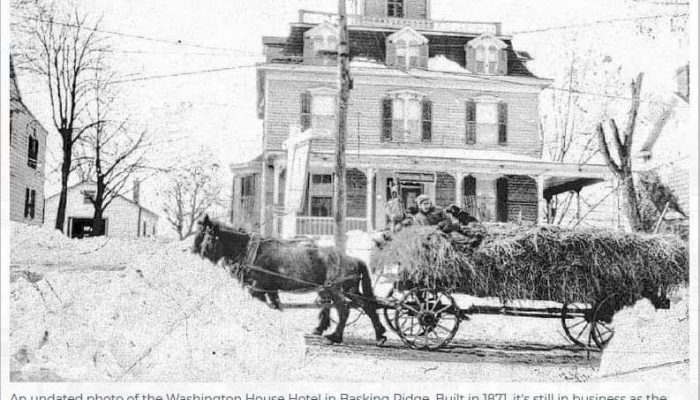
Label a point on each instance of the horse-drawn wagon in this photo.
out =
(579, 277)
(589, 275)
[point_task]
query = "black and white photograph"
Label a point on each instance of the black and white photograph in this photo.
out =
(434, 192)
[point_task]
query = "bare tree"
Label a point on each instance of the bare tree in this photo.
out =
(67, 48)
(621, 163)
(189, 193)
(567, 111)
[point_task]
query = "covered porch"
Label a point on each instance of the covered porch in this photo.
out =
(493, 186)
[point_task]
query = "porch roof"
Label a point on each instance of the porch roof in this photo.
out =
(489, 161)
(558, 177)
(252, 166)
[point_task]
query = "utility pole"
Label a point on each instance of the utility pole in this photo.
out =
(340, 167)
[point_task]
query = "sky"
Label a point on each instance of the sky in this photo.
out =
(217, 110)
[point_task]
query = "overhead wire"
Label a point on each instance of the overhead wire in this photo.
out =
(129, 35)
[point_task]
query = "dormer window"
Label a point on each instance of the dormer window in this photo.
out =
(487, 55)
(321, 44)
(395, 8)
(407, 49)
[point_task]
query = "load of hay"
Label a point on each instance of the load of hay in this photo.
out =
(538, 263)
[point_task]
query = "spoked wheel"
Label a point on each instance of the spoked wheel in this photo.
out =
(427, 319)
(603, 330)
(587, 325)
(390, 313)
(576, 321)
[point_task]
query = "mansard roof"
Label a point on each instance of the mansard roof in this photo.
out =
(371, 44)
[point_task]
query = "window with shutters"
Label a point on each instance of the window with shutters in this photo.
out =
(305, 111)
(32, 150)
(406, 117)
(29, 203)
(318, 109)
(502, 123)
(486, 120)
(471, 122)
(387, 120)
(395, 8)
(427, 126)
(487, 55)
(407, 49)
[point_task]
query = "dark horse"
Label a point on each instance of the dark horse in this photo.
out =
(295, 267)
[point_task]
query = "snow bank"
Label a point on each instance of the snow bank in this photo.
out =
(441, 63)
(648, 343)
(165, 314)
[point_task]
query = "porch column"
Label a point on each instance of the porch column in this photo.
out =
(370, 173)
(542, 203)
(459, 188)
(276, 184)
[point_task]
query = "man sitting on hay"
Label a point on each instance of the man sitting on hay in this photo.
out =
(428, 214)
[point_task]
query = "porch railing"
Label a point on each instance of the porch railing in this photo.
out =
(325, 226)
(316, 17)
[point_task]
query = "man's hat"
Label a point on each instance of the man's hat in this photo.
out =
(422, 198)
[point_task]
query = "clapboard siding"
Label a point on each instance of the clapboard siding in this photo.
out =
(22, 176)
(122, 215)
(364, 116)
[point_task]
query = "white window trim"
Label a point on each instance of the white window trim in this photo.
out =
(405, 96)
(322, 92)
(486, 100)
(484, 43)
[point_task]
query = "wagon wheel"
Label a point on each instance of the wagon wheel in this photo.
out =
(427, 319)
(576, 321)
(603, 330)
(390, 312)
(585, 325)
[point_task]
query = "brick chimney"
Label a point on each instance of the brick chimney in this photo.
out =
(137, 191)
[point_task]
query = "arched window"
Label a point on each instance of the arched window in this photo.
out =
(407, 49)
(493, 59)
(480, 59)
(487, 55)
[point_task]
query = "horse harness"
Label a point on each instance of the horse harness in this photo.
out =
(241, 270)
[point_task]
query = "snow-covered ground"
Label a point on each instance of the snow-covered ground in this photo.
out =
(103, 309)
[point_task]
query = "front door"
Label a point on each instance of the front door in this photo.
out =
(409, 194)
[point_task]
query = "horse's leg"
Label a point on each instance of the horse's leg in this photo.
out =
(343, 313)
(370, 309)
(324, 321)
(274, 299)
(257, 294)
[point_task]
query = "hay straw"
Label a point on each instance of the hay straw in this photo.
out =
(540, 263)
